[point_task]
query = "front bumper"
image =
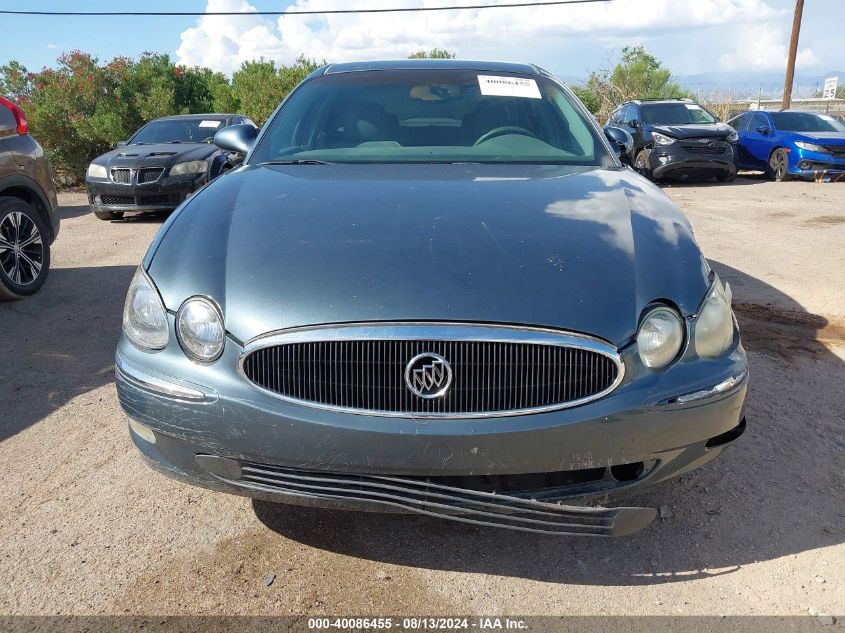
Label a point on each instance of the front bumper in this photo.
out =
(212, 428)
(817, 165)
(163, 195)
(676, 160)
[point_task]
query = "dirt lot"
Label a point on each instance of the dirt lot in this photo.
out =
(86, 528)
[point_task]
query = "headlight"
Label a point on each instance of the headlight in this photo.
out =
(193, 167)
(144, 316)
(660, 337)
(97, 171)
(733, 137)
(662, 139)
(199, 328)
(812, 147)
(714, 327)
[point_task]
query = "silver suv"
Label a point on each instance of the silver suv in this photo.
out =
(28, 219)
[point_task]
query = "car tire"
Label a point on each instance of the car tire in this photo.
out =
(728, 176)
(778, 166)
(641, 164)
(24, 249)
(109, 215)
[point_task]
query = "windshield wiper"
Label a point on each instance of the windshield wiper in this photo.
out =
(296, 161)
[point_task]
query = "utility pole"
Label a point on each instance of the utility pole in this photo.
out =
(793, 51)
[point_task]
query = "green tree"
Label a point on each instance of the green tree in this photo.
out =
(259, 86)
(434, 53)
(14, 80)
(590, 100)
(637, 75)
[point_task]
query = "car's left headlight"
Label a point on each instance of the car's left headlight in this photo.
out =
(192, 167)
(714, 326)
(733, 137)
(97, 171)
(199, 329)
(811, 147)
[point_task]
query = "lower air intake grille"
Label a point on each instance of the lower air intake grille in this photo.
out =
(457, 377)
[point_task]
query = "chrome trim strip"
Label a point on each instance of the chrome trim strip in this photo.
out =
(143, 380)
(443, 331)
(728, 385)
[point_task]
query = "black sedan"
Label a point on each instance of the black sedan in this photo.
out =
(160, 165)
(432, 287)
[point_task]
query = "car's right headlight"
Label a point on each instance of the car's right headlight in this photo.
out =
(714, 326)
(660, 337)
(662, 139)
(97, 171)
(144, 316)
(200, 330)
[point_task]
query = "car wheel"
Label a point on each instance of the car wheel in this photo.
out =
(24, 249)
(641, 164)
(778, 166)
(728, 176)
(109, 215)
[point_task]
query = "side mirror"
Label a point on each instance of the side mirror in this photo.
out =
(120, 144)
(763, 129)
(236, 138)
(620, 140)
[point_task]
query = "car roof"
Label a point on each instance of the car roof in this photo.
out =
(788, 110)
(439, 64)
(658, 101)
(207, 115)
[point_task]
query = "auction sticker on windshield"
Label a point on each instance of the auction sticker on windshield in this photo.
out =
(209, 123)
(493, 86)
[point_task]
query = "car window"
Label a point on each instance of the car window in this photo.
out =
(675, 113)
(432, 115)
(758, 120)
(740, 123)
(177, 131)
(805, 122)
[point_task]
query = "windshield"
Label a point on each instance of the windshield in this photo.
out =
(430, 116)
(805, 122)
(675, 114)
(177, 131)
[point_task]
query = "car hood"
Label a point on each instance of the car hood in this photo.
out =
(582, 249)
(827, 138)
(710, 130)
(156, 155)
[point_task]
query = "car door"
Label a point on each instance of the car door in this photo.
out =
(759, 140)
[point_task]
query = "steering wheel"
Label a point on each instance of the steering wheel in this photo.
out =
(501, 131)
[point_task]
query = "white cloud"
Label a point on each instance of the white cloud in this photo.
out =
(528, 34)
(763, 47)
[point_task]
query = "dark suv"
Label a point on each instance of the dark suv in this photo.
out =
(28, 219)
(677, 138)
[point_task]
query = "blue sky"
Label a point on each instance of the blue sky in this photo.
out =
(691, 36)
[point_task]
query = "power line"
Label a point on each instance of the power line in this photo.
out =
(299, 12)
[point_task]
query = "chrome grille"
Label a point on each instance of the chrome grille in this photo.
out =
(149, 174)
(121, 175)
(362, 369)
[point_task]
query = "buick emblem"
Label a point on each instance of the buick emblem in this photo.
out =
(428, 375)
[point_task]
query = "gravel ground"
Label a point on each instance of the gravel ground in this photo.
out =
(86, 528)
